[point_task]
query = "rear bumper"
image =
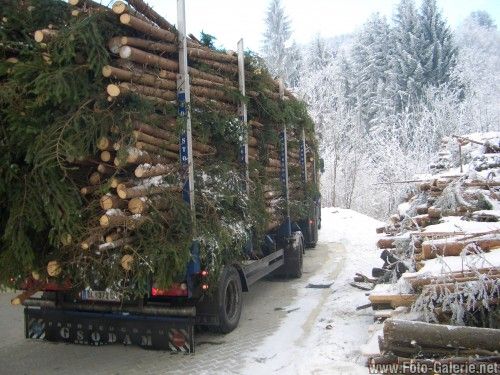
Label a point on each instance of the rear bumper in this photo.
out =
(103, 328)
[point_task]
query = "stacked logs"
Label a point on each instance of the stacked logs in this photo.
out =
(446, 216)
(436, 348)
(127, 178)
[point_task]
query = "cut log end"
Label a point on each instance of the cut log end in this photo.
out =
(107, 71)
(136, 205)
(53, 268)
(127, 261)
(106, 156)
(125, 18)
(39, 36)
(113, 90)
(119, 7)
(104, 221)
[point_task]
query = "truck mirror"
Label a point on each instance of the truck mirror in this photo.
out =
(321, 165)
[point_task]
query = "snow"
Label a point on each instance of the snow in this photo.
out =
(452, 264)
(452, 224)
(302, 346)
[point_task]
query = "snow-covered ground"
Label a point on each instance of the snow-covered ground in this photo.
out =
(326, 334)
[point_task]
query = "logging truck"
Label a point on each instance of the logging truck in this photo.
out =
(165, 318)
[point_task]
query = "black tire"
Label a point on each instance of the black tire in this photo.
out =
(294, 260)
(311, 245)
(229, 300)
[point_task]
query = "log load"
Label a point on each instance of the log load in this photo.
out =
(437, 336)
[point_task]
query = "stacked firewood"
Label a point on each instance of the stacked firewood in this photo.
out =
(440, 253)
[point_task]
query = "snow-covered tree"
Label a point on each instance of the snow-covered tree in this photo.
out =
(371, 55)
(438, 51)
(408, 71)
(276, 39)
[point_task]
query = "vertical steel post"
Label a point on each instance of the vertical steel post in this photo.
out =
(184, 110)
(303, 157)
(243, 115)
(284, 165)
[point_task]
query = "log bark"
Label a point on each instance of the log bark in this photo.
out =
(155, 170)
(95, 178)
(110, 201)
(105, 169)
(126, 88)
(395, 300)
(148, 12)
(141, 205)
(169, 136)
(91, 240)
(86, 190)
(155, 150)
(119, 7)
(142, 57)
(221, 67)
(440, 336)
(136, 156)
(159, 142)
(45, 35)
(454, 246)
(120, 219)
(140, 78)
(195, 53)
(116, 243)
(144, 191)
(146, 28)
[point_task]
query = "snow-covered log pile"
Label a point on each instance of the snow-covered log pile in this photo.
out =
(91, 149)
(441, 255)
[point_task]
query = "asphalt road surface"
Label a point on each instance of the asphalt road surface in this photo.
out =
(264, 307)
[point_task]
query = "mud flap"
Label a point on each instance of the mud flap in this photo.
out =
(89, 328)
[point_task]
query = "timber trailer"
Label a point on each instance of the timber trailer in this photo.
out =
(165, 320)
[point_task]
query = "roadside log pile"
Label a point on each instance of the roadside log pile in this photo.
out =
(96, 89)
(441, 255)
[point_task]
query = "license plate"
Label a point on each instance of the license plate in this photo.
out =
(100, 295)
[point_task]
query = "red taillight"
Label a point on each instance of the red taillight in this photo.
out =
(204, 273)
(204, 286)
(176, 290)
(311, 221)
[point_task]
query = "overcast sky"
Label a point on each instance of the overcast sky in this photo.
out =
(230, 20)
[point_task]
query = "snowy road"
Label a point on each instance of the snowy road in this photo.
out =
(306, 326)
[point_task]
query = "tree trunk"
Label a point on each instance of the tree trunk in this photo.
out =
(110, 201)
(143, 191)
(155, 170)
(440, 336)
(454, 246)
(141, 78)
(125, 88)
(146, 28)
(151, 14)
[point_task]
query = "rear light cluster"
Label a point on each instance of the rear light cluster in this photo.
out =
(176, 290)
(204, 284)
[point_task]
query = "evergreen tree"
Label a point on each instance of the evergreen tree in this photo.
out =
(371, 56)
(438, 56)
(408, 72)
(293, 65)
(483, 19)
(276, 37)
(319, 55)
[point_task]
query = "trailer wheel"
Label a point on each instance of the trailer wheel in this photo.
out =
(229, 300)
(294, 259)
